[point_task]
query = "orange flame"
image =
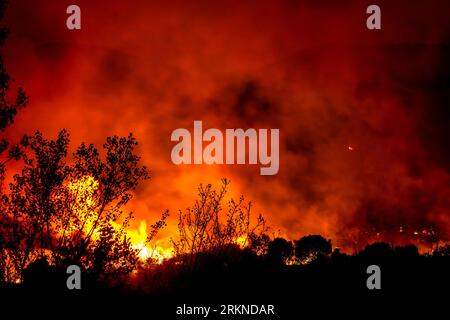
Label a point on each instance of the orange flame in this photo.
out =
(84, 190)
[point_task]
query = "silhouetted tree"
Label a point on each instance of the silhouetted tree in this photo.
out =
(72, 212)
(280, 250)
(311, 247)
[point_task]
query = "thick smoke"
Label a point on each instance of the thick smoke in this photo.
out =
(363, 115)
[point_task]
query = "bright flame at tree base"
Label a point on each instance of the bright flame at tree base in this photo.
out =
(158, 253)
(84, 190)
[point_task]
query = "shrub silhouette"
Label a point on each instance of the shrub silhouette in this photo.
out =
(311, 247)
(204, 228)
(279, 251)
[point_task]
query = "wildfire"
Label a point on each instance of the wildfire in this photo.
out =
(242, 241)
(84, 191)
(138, 238)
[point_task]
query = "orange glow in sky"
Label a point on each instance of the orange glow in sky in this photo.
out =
(316, 73)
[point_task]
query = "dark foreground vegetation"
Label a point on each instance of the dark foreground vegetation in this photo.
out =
(331, 284)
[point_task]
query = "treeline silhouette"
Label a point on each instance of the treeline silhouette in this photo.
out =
(221, 248)
(308, 265)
